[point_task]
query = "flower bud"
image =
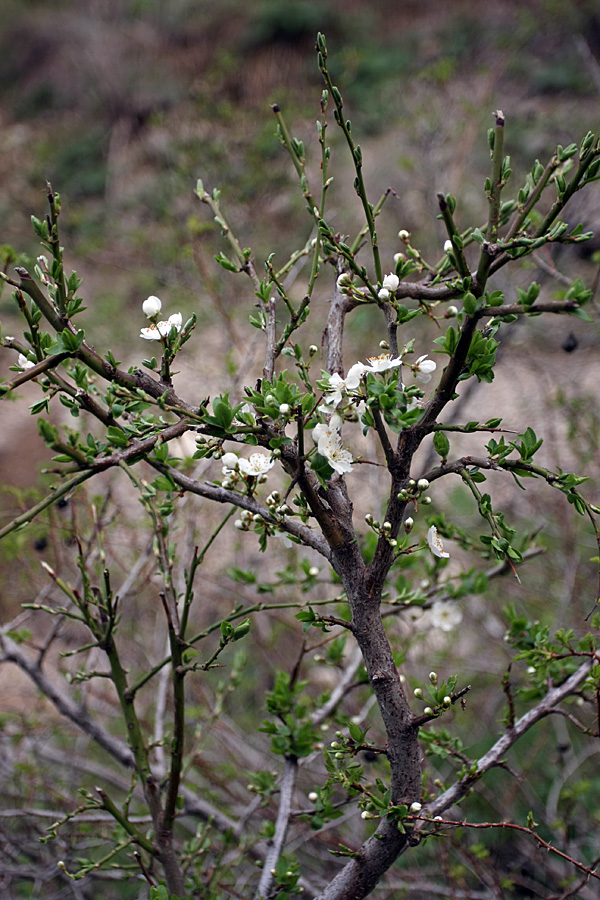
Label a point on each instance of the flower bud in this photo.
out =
(313, 571)
(369, 519)
(284, 408)
(403, 234)
(151, 306)
(451, 312)
(230, 460)
(433, 677)
(415, 807)
(408, 524)
(383, 294)
(418, 693)
(428, 711)
(313, 796)
(422, 484)
(448, 247)
(391, 282)
(314, 349)
(447, 703)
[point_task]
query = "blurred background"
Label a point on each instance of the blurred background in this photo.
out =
(122, 105)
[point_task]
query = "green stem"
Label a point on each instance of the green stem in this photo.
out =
(54, 241)
(124, 822)
(356, 152)
(491, 232)
(453, 233)
(297, 160)
(30, 514)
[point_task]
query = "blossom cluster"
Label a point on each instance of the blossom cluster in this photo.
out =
(151, 307)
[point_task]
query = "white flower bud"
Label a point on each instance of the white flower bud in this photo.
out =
(270, 400)
(422, 484)
(387, 526)
(314, 349)
(23, 362)
(403, 234)
(451, 312)
(447, 702)
(399, 257)
(418, 693)
(428, 711)
(448, 247)
(313, 571)
(433, 677)
(151, 306)
(313, 796)
(415, 807)
(383, 294)
(284, 408)
(408, 524)
(230, 460)
(344, 279)
(426, 501)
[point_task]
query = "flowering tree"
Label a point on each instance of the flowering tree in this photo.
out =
(313, 435)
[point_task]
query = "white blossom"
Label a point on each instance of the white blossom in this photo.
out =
(330, 446)
(423, 369)
(391, 282)
(162, 329)
(229, 460)
(382, 363)
(257, 464)
(445, 615)
(436, 545)
(383, 294)
(338, 386)
(151, 306)
(23, 362)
